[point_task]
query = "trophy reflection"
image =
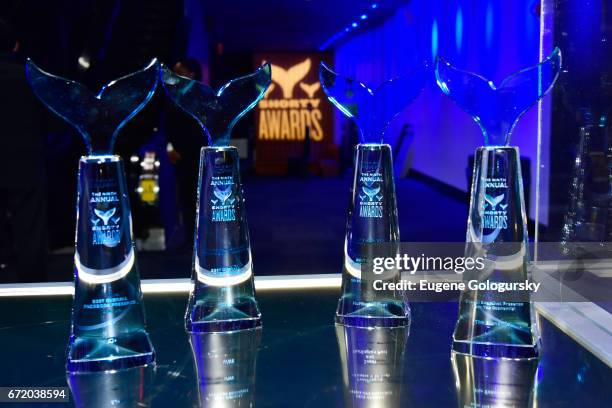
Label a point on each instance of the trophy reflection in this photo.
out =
(225, 367)
(372, 362)
(490, 382)
(122, 388)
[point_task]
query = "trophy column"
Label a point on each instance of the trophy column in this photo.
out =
(108, 321)
(372, 226)
(223, 296)
(490, 323)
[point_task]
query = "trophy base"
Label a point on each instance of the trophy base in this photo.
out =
(495, 350)
(207, 316)
(389, 313)
(91, 354)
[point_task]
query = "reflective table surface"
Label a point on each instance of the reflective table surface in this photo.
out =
(298, 359)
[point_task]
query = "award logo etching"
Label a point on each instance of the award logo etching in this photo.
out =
(495, 206)
(371, 196)
(106, 227)
(223, 205)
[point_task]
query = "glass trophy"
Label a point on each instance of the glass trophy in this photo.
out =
(127, 388)
(223, 293)
(494, 382)
(372, 365)
(372, 223)
(108, 320)
(587, 218)
(490, 323)
(225, 367)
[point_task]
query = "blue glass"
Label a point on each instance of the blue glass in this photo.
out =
(217, 111)
(108, 321)
(372, 215)
(372, 365)
(372, 110)
(98, 117)
(225, 367)
(497, 109)
(495, 382)
(587, 218)
(493, 324)
(223, 293)
(129, 388)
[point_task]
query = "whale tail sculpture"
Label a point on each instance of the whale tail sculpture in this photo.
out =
(217, 111)
(372, 109)
(223, 294)
(493, 324)
(108, 323)
(497, 109)
(372, 215)
(98, 117)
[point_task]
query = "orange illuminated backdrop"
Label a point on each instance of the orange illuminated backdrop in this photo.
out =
(293, 103)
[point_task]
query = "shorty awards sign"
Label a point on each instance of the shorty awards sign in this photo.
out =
(294, 106)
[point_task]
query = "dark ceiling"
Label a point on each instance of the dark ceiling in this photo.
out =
(118, 36)
(288, 25)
